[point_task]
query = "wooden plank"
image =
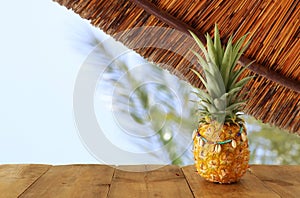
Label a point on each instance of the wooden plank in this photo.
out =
(167, 181)
(284, 180)
(249, 186)
(73, 181)
(15, 179)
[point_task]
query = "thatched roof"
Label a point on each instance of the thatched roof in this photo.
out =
(274, 30)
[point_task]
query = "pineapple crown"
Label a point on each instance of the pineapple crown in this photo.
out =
(221, 102)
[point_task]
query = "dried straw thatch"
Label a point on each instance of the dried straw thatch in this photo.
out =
(274, 31)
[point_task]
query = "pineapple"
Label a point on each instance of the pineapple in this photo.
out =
(220, 143)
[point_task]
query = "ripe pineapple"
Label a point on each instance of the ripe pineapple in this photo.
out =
(220, 142)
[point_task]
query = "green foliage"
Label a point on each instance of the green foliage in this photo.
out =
(271, 145)
(221, 78)
(162, 105)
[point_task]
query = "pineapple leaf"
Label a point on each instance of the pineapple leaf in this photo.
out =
(238, 98)
(217, 76)
(213, 85)
(201, 61)
(211, 108)
(236, 75)
(235, 106)
(226, 62)
(242, 82)
(199, 43)
(200, 77)
(238, 44)
(211, 50)
(218, 46)
(238, 54)
(202, 95)
(234, 91)
(222, 101)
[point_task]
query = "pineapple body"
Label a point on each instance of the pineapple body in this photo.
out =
(220, 142)
(222, 163)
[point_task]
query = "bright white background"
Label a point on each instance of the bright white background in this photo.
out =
(43, 47)
(38, 69)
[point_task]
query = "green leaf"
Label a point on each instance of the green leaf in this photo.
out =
(236, 75)
(237, 55)
(213, 87)
(238, 98)
(202, 95)
(201, 61)
(200, 44)
(217, 77)
(220, 104)
(200, 77)
(234, 90)
(218, 46)
(237, 46)
(242, 82)
(211, 50)
(235, 106)
(211, 108)
(226, 62)
(232, 93)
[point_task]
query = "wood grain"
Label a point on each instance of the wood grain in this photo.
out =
(168, 181)
(72, 181)
(15, 179)
(249, 186)
(284, 180)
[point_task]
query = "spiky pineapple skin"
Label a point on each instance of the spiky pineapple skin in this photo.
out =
(228, 165)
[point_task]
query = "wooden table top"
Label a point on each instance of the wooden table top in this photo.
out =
(34, 180)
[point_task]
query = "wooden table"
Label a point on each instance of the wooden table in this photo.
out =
(169, 181)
